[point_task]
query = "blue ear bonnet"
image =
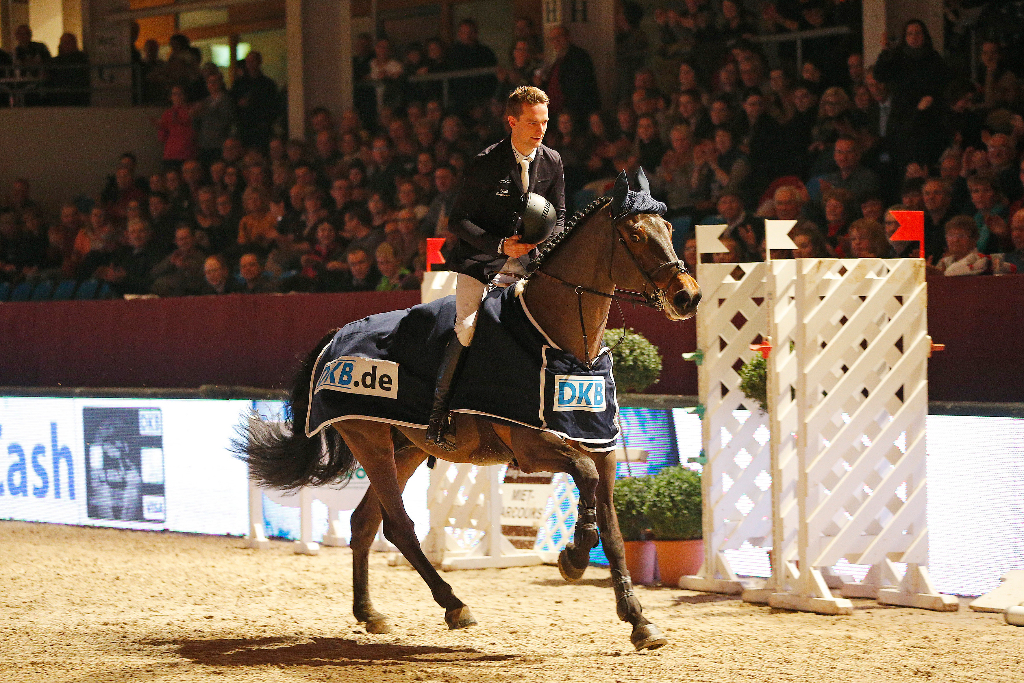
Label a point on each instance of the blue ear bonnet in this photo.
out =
(626, 202)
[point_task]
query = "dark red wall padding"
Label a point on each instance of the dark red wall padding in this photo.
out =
(254, 341)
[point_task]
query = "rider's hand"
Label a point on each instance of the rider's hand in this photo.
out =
(513, 247)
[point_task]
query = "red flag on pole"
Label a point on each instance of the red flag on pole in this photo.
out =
(911, 228)
(434, 245)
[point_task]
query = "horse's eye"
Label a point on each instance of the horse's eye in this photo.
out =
(636, 236)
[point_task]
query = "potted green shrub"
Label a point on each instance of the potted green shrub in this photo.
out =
(635, 360)
(754, 380)
(674, 510)
(630, 499)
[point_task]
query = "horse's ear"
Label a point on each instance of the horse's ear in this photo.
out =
(645, 187)
(619, 191)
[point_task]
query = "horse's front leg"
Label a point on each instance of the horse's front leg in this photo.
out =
(645, 634)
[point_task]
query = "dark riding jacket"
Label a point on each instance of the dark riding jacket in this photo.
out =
(489, 202)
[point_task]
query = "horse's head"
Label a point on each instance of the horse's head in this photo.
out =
(645, 259)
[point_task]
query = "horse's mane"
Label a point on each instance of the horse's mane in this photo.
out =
(555, 241)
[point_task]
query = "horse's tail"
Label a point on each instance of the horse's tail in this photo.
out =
(281, 456)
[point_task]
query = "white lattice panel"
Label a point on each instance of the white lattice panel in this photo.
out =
(464, 502)
(559, 519)
(736, 477)
(848, 400)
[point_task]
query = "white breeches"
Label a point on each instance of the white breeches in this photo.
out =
(469, 292)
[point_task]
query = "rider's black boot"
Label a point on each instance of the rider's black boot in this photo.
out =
(438, 423)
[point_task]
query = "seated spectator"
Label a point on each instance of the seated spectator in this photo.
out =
(181, 272)
(358, 232)
(912, 194)
(130, 272)
(836, 222)
(868, 240)
(891, 225)
(229, 212)
(436, 218)
(424, 178)
(217, 276)
(730, 166)
(734, 253)
(362, 274)
(209, 224)
(408, 198)
(401, 233)
(810, 243)
(22, 250)
(380, 210)
(125, 191)
(852, 176)
(95, 244)
(672, 179)
(872, 208)
(61, 238)
(990, 214)
(394, 275)
(255, 279)
(962, 255)
(257, 229)
(647, 144)
(1013, 261)
(178, 195)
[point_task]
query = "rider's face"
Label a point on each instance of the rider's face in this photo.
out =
(529, 127)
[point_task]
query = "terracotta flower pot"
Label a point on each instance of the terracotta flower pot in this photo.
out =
(679, 558)
(641, 561)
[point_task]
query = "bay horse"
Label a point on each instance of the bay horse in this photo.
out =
(618, 243)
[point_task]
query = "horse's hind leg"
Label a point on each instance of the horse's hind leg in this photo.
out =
(645, 636)
(366, 519)
(372, 446)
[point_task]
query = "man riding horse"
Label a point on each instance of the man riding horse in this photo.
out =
(487, 219)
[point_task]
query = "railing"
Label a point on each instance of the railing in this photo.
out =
(800, 37)
(70, 84)
(445, 78)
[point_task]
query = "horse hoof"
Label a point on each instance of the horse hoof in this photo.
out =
(460, 617)
(567, 569)
(647, 637)
(378, 626)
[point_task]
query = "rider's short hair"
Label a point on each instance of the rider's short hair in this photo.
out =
(524, 95)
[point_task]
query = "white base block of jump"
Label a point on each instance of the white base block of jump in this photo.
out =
(879, 577)
(715, 576)
(1015, 615)
(810, 594)
(306, 548)
(1009, 593)
(916, 590)
(256, 539)
(482, 556)
(335, 535)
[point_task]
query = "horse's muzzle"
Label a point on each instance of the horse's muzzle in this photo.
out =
(683, 297)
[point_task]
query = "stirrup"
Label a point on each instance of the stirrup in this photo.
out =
(438, 429)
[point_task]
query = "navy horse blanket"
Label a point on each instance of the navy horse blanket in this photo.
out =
(384, 368)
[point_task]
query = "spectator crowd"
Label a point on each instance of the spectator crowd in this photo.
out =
(724, 129)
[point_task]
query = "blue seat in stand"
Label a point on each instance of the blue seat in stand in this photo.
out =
(87, 290)
(42, 291)
(105, 291)
(65, 290)
(5, 291)
(22, 292)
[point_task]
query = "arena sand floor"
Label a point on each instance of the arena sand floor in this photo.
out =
(96, 605)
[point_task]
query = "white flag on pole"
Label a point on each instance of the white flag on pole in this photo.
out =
(708, 241)
(776, 234)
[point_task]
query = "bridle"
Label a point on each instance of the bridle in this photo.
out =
(654, 298)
